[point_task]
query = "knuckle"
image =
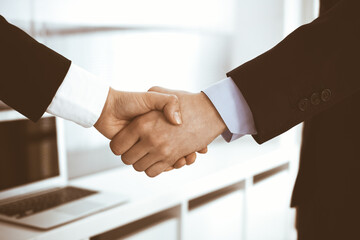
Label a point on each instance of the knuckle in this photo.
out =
(174, 99)
(154, 140)
(165, 151)
(137, 123)
(142, 125)
(154, 89)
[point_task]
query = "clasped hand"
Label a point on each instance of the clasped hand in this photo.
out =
(155, 142)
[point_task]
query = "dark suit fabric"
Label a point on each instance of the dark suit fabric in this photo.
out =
(313, 75)
(31, 73)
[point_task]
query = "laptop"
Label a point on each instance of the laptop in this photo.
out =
(33, 177)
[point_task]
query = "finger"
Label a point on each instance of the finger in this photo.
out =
(169, 108)
(203, 151)
(168, 103)
(124, 140)
(165, 90)
(135, 153)
(156, 169)
(145, 162)
(161, 90)
(180, 163)
(190, 159)
(169, 169)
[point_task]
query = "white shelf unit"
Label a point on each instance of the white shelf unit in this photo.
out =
(218, 195)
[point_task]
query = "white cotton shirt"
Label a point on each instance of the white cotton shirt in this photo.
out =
(233, 109)
(80, 98)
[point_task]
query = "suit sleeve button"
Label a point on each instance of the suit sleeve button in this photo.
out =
(315, 99)
(303, 104)
(326, 95)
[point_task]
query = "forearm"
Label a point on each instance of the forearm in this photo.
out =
(317, 59)
(31, 72)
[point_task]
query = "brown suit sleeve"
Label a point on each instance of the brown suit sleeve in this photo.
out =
(314, 68)
(30, 73)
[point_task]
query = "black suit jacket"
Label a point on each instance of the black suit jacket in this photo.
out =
(30, 72)
(313, 75)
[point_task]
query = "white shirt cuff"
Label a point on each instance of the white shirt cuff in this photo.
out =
(233, 109)
(80, 98)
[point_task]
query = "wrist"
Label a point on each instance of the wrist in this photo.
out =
(213, 118)
(106, 111)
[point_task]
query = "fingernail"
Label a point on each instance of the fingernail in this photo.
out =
(177, 117)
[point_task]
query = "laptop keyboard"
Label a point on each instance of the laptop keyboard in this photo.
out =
(28, 206)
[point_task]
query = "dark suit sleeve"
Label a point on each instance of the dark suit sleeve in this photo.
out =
(30, 73)
(311, 70)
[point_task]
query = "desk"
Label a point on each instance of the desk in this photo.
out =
(225, 165)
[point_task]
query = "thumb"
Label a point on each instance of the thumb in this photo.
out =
(168, 103)
(162, 90)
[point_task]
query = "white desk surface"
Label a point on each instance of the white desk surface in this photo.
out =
(225, 164)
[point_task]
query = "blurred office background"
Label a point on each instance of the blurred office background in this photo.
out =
(187, 44)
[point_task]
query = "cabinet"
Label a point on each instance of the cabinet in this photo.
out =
(163, 230)
(216, 216)
(163, 225)
(268, 204)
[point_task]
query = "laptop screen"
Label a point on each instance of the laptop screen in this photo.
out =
(28, 152)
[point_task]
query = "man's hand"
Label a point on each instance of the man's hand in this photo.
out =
(151, 144)
(121, 107)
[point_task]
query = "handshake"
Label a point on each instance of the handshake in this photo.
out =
(159, 130)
